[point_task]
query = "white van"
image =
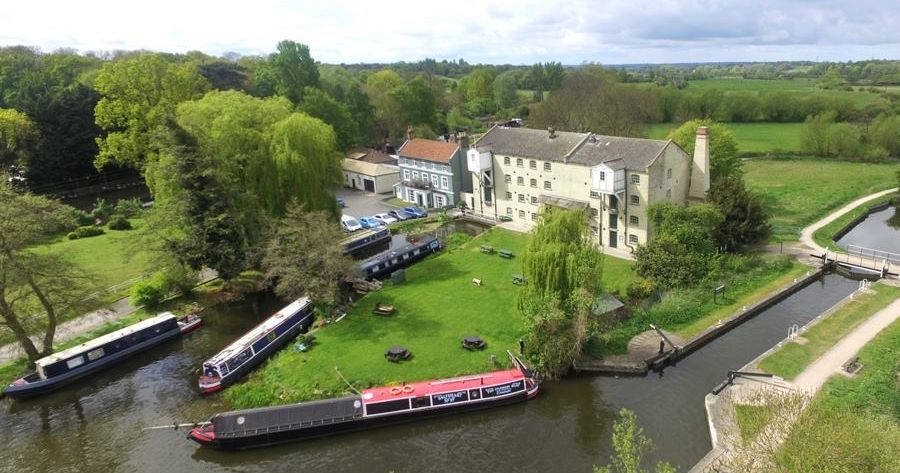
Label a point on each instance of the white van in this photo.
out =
(350, 224)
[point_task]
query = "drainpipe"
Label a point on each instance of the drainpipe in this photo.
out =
(626, 210)
(493, 187)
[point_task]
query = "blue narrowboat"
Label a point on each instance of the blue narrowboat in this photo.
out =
(255, 346)
(390, 261)
(365, 239)
(61, 368)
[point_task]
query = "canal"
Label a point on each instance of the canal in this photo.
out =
(96, 425)
(880, 231)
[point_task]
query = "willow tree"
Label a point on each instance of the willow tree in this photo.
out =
(564, 271)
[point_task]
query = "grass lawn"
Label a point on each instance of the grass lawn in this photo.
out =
(801, 191)
(752, 419)
(853, 424)
(755, 138)
(617, 274)
(793, 358)
(824, 234)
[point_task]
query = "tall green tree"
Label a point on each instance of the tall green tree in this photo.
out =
(724, 160)
(816, 135)
(317, 103)
(417, 100)
(744, 217)
(140, 94)
(18, 136)
(631, 447)
(35, 283)
(293, 69)
(506, 90)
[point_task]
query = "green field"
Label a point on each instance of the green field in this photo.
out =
(755, 138)
(793, 358)
(800, 191)
(798, 86)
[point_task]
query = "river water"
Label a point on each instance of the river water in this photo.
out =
(875, 232)
(95, 426)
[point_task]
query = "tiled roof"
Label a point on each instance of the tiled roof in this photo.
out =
(370, 155)
(429, 150)
(586, 149)
(368, 169)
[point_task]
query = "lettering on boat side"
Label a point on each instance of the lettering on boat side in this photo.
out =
(504, 389)
(449, 398)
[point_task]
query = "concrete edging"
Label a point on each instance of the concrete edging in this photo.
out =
(856, 221)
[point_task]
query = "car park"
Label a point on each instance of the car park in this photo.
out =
(370, 222)
(415, 212)
(385, 218)
(400, 215)
(350, 224)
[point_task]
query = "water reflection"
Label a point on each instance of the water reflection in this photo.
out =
(880, 231)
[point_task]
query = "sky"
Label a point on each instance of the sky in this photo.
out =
(485, 31)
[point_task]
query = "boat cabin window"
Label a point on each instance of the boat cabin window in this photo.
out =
(210, 371)
(388, 406)
(75, 362)
(239, 359)
(223, 368)
(95, 354)
(421, 401)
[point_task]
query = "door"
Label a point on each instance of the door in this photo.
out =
(419, 200)
(613, 239)
(353, 183)
(369, 185)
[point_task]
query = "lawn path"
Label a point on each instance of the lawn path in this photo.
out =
(87, 322)
(806, 237)
(815, 375)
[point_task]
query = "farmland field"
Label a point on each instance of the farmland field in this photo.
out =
(753, 137)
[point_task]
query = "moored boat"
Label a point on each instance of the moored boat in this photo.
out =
(392, 260)
(61, 368)
(255, 346)
(374, 407)
(360, 241)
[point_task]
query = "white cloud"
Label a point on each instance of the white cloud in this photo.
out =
(499, 31)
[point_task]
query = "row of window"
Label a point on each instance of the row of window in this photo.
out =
(633, 239)
(532, 164)
(534, 182)
(425, 164)
(509, 212)
(444, 181)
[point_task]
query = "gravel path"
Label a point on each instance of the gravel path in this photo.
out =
(806, 237)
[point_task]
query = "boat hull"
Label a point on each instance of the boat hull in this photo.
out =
(37, 388)
(360, 423)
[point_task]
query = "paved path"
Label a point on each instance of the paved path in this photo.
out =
(806, 237)
(87, 322)
(815, 375)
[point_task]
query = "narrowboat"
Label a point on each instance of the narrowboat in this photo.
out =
(374, 407)
(385, 263)
(255, 346)
(61, 368)
(365, 239)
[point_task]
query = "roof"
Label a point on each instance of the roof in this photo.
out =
(429, 150)
(605, 304)
(263, 328)
(99, 341)
(370, 155)
(384, 393)
(369, 169)
(586, 149)
(563, 202)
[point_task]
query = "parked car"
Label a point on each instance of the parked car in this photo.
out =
(400, 215)
(385, 218)
(350, 224)
(341, 202)
(370, 222)
(415, 212)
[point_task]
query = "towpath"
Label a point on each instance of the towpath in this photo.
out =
(806, 237)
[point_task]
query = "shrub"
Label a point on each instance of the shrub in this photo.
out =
(85, 232)
(457, 239)
(150, 292)
(82, 218)
(119, 222)
(129, 207)
(102, 209)
(640, 289)
(72, 236)
(181, 279)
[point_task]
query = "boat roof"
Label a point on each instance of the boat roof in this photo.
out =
(386, 255)
(263, 328)
(359, 235)
(424, 388)
(102, 340)
(235, 422)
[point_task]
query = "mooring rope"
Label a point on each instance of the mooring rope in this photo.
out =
(336, 370)
(175, 426)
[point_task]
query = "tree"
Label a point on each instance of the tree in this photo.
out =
(745, 220)
(35, 282)
(682, 247)
(17, 138)
(724, 160)
(506, 90)
(319, 104)
(563, 269)
(293, 70)
(416, 99)
(844, 141)
(140, 93)
(631, 446)
(302, 258)
(885, 132)
(816, 133)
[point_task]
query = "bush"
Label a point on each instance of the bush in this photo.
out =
(457, 239)
(82, 218)
(85, 232)
(119, 222)
(150, 292)
(129, 207)
(640, 289)
(102, 209)
(72, 236)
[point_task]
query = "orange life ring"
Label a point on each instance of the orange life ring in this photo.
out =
(395, 390)
(408, 389)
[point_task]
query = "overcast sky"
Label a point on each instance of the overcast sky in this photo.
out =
(487, 31)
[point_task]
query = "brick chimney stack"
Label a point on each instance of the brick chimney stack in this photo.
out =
(700, 165)
(410, 133)
(463, 140)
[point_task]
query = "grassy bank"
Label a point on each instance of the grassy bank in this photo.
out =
(853, 424)
(824, 234)
(751, 419)
(800, 191)
(689, 311)
(754, 138)
(793, 357)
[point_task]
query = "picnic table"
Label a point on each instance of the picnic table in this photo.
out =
(381, 309)
(473, 343)
(396, 353)
(505, 254)
(487, 249)
(519, 280)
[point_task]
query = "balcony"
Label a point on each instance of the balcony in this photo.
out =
(419, 184)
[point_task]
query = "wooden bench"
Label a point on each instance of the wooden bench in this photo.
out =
(505, 254)
(519, 280)
(487, 249)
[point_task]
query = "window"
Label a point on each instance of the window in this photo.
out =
(521, 197)
(669, 173)
(547, 166)
(406, 174)
(439, 201)
(434, 180)
(519, 162)
(635, 179)
(533, 182)
(415, 174)
(669, 193)
(509, 211)
(635, 200)
(75, 362)
(633, 239)
(602, 175)
(533, 200)
(521, 214)
(509, 195)
(508, 179)
(532, 164)
(425, 176)
(595, 194)
(547, 185)
(94, 354)
(594, 212)
(534, 215)
(506, 160)
(445, 183)
(520, 180)
(634, 220)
